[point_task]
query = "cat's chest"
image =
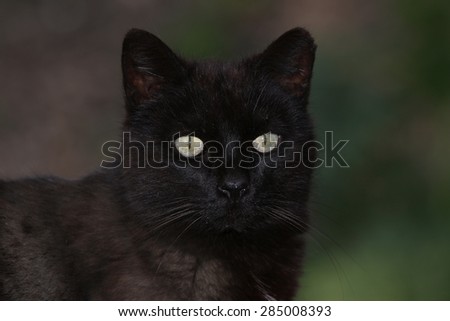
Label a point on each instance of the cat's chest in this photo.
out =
(212, 280)
(195, 278)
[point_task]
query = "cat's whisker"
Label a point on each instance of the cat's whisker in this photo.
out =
(167, 219)
(167, 222)
(184, 231)
(176, 239)
(320, 233)
(294, 221)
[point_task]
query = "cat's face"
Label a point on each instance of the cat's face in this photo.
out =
(231, 132)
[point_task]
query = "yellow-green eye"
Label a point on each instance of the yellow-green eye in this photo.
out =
(267, 142)
(189, 146)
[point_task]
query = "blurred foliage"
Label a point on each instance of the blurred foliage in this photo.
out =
(382, 78)
(386, 219)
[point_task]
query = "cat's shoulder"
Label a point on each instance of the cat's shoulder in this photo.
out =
(29, 196)
(27, 187)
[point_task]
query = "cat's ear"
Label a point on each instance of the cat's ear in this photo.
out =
(289, 60)
(147, 66)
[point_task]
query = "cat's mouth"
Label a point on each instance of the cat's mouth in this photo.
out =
(234, 216)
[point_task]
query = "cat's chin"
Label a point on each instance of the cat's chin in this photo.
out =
(232, 219)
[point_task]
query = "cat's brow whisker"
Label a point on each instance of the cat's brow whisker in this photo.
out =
(195, 106)
(260, 95)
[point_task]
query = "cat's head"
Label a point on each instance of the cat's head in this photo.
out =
(227, 134)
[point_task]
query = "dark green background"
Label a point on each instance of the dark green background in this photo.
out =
(382, 78)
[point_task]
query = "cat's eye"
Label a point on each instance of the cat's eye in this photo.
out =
(267, 142)
(189, 146)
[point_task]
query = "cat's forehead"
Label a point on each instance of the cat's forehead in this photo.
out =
(227, 101)
(226, 93)
(218, 76)
(227, 87)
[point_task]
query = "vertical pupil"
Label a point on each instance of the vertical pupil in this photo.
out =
(189, 142)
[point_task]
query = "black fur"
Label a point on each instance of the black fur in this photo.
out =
(168, 233)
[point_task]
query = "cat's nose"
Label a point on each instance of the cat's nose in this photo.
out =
(234, 185)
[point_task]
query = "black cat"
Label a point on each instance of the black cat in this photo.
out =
(177, 232)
